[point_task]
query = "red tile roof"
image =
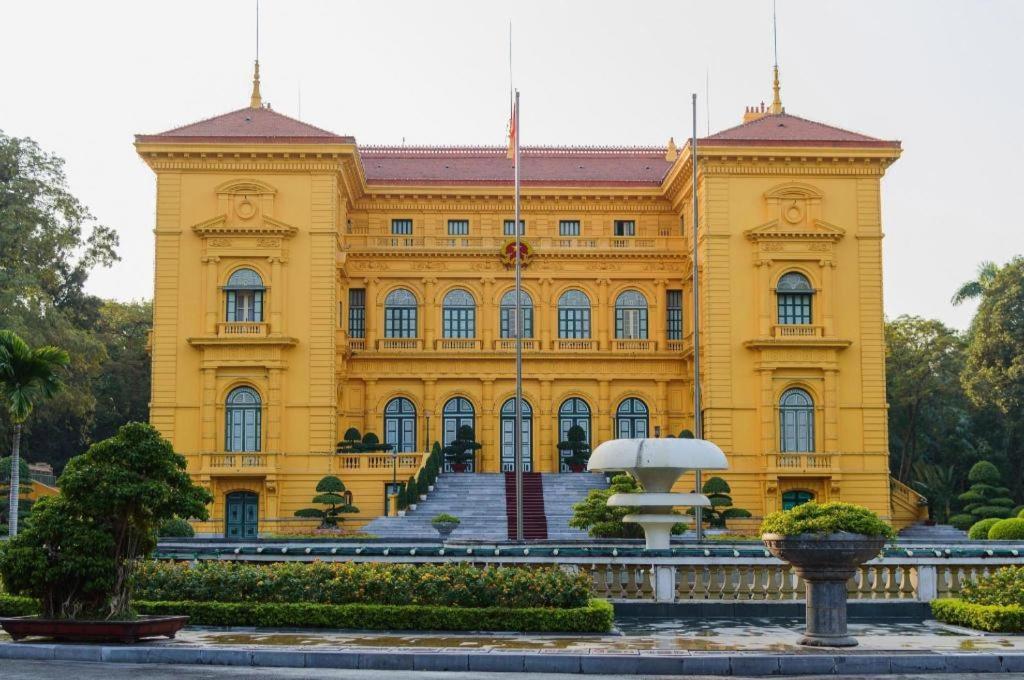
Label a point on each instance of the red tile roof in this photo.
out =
(785, 129)
(248, 125)
(567, 166)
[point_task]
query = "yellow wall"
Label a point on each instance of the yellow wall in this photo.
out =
(305, 219)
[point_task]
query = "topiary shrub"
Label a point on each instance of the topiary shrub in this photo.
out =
(979, 530)
(1017, 511)
(717, 490)
(330, 493)
(461, 452)
(175, 527)
(826, 518)
(963, 521)
(594, 516)
(986, 496)
(1007, 530)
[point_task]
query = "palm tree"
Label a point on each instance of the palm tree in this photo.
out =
(26, 376)
(987, 271)
(940, 485)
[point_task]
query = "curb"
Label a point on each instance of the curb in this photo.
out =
(747, 664)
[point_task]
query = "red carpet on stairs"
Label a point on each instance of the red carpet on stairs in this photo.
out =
(535, 524)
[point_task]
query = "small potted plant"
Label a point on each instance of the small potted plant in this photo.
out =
(445, 524)
(462, 451)
(578, 447)
(826, 544)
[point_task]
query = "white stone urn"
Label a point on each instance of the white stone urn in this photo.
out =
(657, 464)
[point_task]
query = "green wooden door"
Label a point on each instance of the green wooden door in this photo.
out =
(242, 515)
(791, 499)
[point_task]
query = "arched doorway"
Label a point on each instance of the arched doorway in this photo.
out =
(400, 425)
(573, 412)
(631, 419)
(791, 499)
(457, 412)
(241, 513)
(508, 428)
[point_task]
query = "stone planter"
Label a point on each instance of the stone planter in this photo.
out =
(444, 528)
(71, 630)
(825, 562)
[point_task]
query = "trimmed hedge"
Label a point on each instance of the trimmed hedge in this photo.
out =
(1004, 587)
(826, 518)
(994, 618)
(595, 617)
(1007, 530)
(445, 585)
(979, 530)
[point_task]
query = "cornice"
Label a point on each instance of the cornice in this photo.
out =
(265, 226)
(775, 231)
(797, 343)
(213, 340)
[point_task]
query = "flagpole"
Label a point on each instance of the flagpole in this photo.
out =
(517, 437)
(698, 419)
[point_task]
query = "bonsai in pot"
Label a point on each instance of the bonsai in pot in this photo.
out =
(826, 544)
(462, 451)
(79, 549)
(445, 524)
(578, 447)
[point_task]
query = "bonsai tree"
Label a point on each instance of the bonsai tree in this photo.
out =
(826, 518)
(26, 376)
(353, 443)
(349, 441)
(25, 484)
(330, 492)
(175, 527)
(79, 549)
(717, 490)
(593, 515)
(985, 498)
(463, 449)
(578, 447)
(686, 434)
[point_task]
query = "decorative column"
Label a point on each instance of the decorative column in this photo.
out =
(429, 312)
(371, 311)
(763, 297)
(485, 329)
(276, 294)
(661, 408)
(274, 411)
(370, 409)
(600, 318)
(429, 409)
(210, 410)
(542, 316)
(826, 295)
(657, 316)
(548, 458)
(604, 415)
(212, 293)
(491, 451)
(830, 412)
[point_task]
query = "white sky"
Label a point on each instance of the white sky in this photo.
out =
(942, 76)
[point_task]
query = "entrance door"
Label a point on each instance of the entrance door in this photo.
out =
(791, 499)
(508, 428)
(242, 515)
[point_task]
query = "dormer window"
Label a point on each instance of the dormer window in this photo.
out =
(244, 296)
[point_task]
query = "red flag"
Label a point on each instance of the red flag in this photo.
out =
(512, 132)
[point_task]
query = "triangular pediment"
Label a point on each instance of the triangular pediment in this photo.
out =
(263, 226)
(777, 230)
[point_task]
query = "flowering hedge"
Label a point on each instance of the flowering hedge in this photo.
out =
(1004, 587)
(450, 585)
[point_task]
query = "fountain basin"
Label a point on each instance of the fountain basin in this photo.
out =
(657, 463)
(666, 500)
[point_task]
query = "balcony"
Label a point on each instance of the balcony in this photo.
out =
(797, 331)
(356, 344)
(509, 345)
(633, 345)
(240, 463)
(244, 329)
(809, 462)
(456, 344)
(574, 345)
(408, 462)
(678, 345)
(399, 344)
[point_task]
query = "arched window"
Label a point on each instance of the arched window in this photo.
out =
(574, 315)
(400, 425)
(244, 296)
(508, 428)
(508, 314)
(242, 420)
(631, 315)
(796, 421)
(631, 419)
(794, 293)
(400, 314)
(574, 412)
(791, 499)
(459, 314)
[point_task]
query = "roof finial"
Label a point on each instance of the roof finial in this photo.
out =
(255, 100)
(776, 98)
(672, 151)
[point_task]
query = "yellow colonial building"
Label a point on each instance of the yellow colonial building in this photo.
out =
(306, 284)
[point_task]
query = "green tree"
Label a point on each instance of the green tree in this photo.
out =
(593, 515)
(330, 492)
(121, 389)
(26, 377)
(976, 287)
(24, 504)
(577, 445)
(939, 484)
(462, 450)
(986, 497)
(717, 490)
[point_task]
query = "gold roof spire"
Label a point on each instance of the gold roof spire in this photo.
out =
(256, 101)
(776, 99)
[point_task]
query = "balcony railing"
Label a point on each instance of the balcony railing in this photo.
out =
(802, 462)
(399, 344)
(677, 345)
(456, 344)
(633, 345)
(357, 344)
(241, 462)
(361, 242)
(251, 329)
(406, 461)
(797, 331)
(509, 344)
(574, 345)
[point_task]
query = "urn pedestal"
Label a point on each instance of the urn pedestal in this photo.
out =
(825, 562)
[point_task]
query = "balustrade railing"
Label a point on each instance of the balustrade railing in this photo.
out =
(241, 462)
(802, 462)
(456, 344)
(357, 461)
(797, 331)
(509, 344)
(574, 345)
(633, 345)
(360, 241)
(399, 344)
(252, 329)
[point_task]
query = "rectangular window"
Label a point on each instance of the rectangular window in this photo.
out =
(401, 227)
(245, 305)
(399, 322)
(510, 228)
(458, 227)
(630, 323)
(459, 322)
(569, 228)
(508, 321)
(574, 323)
(674, 320)
(625, 228)
(794, 308)
(357, 313)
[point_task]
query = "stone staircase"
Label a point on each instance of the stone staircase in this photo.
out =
(938, 534)
(535, 523)
(480, 501)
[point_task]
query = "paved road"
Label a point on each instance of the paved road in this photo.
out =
(35, 670)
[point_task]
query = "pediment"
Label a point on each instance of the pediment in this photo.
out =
(263, 226)
(774, 230)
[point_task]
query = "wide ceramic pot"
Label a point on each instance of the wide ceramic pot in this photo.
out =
(444, 528)
(825, 562)
(71, 630)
